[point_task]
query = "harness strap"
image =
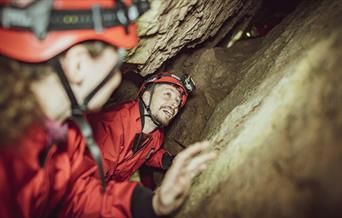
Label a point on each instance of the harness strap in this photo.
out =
(75, 107)
(79, 119)
(94, 150)
(122, 53)
(148, 108)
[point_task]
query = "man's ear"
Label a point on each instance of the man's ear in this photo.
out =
(75, 62)
(146, 97)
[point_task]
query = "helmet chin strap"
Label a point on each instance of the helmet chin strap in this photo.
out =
(78, 111)
(148, 108)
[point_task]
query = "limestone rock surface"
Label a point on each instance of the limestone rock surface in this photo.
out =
(273, 113)
(173, 25)
(270, 106)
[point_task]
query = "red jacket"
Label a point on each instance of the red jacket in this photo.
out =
(118, 130)
(41, 181)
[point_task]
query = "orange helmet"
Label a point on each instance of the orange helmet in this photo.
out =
(46, 28)
(184, 84)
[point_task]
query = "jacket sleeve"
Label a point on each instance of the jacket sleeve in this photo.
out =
(84, 196)
(125, 199)
(160, 159)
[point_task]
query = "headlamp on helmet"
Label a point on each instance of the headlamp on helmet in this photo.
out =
(188, 83)
(185, 83)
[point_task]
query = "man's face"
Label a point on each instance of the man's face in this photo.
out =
(165, 103)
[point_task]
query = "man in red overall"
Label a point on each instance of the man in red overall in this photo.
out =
(59, 59)
(131, 134)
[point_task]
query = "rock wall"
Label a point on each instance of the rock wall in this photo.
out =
(174, 25)
(270, 106)
(277, 123)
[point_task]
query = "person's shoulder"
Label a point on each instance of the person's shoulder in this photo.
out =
(126, 105)
(33, 140)
(121, 111)
(131, 104)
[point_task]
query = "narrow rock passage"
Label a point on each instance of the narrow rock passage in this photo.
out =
(270, 105)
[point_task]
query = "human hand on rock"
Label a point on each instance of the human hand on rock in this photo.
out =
(177, 182)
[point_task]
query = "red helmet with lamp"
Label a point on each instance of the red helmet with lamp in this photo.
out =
(184, 84)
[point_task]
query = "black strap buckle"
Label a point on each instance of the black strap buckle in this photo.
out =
(35, 17)
(122, 15)
(97, 18)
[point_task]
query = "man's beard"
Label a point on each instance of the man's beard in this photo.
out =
(161, 118)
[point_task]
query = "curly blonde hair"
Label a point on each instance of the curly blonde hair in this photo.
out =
(18, 105)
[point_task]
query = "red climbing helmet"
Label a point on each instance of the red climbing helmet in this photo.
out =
(45, 28)
(184, 84)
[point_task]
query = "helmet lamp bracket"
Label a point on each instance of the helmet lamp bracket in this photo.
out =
(188, 83)
(35, 17)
